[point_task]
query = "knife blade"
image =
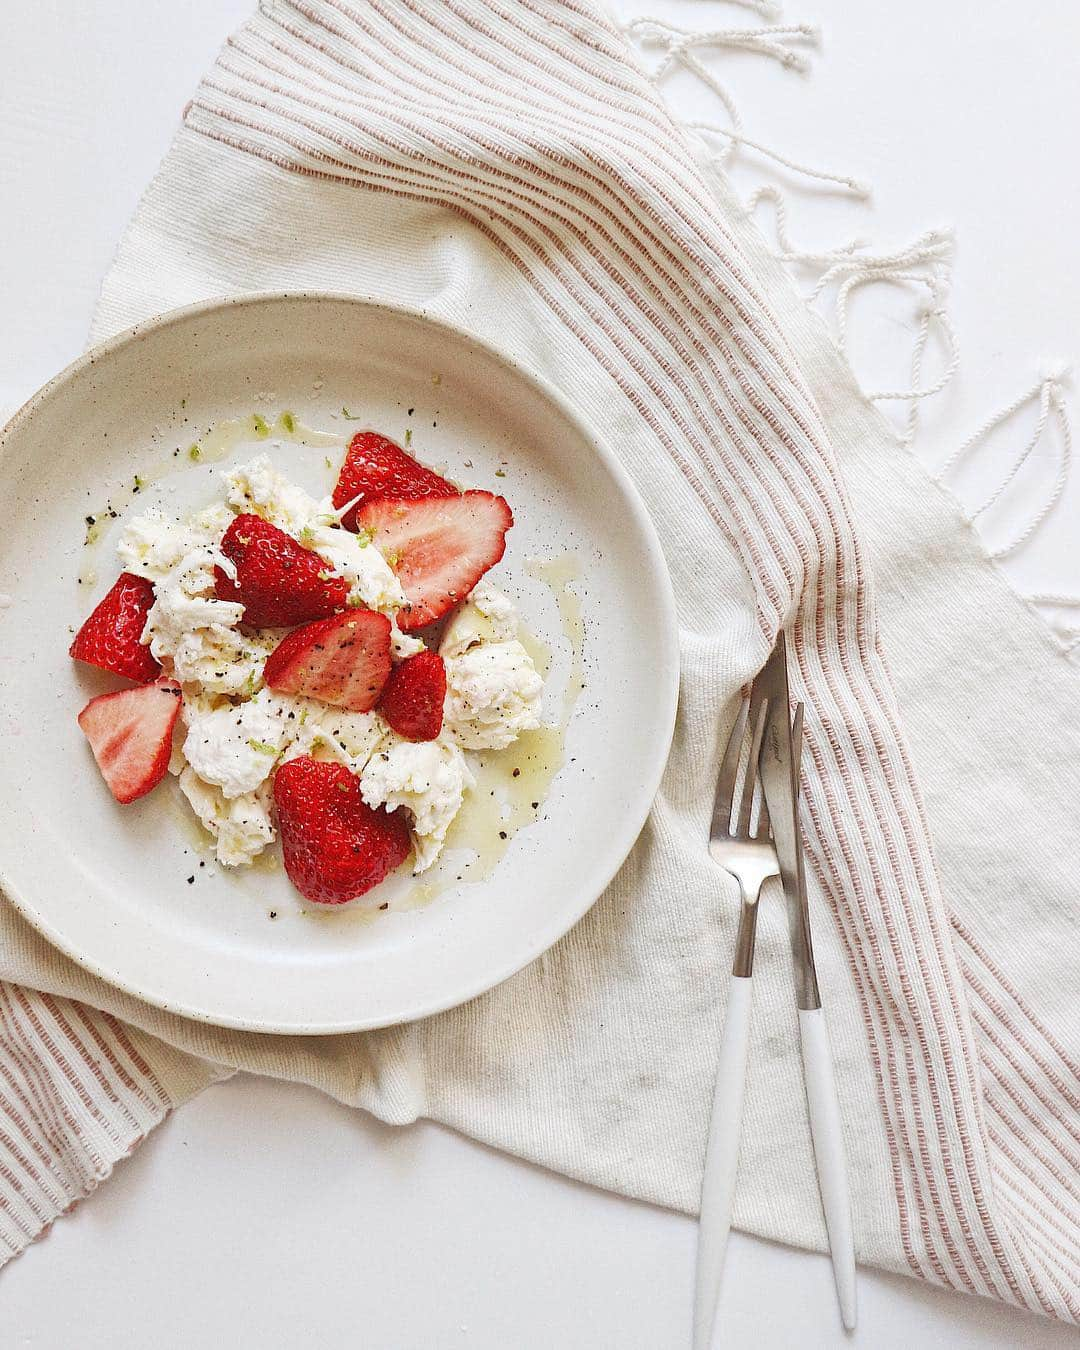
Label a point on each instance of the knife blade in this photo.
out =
(776, 766)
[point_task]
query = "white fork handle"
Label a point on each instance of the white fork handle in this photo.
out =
(829, 1152)
(721, 1157)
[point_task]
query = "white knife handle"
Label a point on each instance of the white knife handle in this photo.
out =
(721, 1157)
(829, 1152)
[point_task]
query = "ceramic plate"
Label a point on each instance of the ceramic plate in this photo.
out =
(112, 886)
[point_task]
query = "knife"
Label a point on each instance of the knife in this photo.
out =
(781, 788)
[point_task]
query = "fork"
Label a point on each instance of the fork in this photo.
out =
(748, 855)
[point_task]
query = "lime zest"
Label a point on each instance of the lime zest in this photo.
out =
(263, 748)
(261, 426)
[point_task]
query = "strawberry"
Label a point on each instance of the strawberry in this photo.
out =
(439, 547)
(335, 846)
(412, 702)
(343, 660)
(278, 582)
(130, 733)
(378, 468)
(110, 636)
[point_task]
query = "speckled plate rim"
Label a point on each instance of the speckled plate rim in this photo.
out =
(666, 688)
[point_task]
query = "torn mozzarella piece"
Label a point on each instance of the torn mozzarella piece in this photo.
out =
(257, 487)
(493, 690)
(153, 545)
(493, 694)
(184, 598)
(334, 733)
(195, 634)
(429, 779)
(403, 645)
(222, 660)
(354, 557)
(241, 826)
(235, 746)
(487, 616)
(188, 629)
(177, 762)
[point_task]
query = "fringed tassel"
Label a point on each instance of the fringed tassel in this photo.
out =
(788, 251)
(924, 263)
(1049, 390)
(931, 252)
(680, 47)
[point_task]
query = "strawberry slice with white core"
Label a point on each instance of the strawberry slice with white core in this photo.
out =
(375, 467)
(130, 733)
(343, 660)
(439, 547)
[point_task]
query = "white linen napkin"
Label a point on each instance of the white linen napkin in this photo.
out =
(505, 164)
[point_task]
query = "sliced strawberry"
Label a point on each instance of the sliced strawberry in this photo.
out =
(278, 582)
(335, 846)
(343, 660)
(412, 702)
(130, 733)
(378, 468)
(110, 636)
(439, 547)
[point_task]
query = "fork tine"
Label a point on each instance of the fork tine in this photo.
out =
(751, 772)
(729, 772)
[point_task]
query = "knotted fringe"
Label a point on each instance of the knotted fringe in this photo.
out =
(925, 263)
(780, 42)
(1049, 390)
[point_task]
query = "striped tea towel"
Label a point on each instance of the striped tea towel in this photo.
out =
(506, 164)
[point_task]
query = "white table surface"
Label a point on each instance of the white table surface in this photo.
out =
(265, 1216)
